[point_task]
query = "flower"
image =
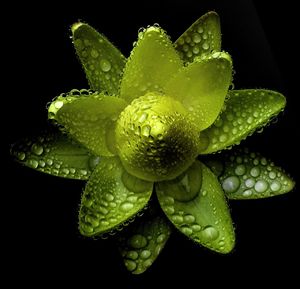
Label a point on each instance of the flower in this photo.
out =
(137, 133)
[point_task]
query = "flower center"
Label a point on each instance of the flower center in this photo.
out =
(155, 138)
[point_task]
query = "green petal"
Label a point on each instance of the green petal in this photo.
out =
(55, 154)
(245, 111)
(151, 64)
(111, 197)
(141, 243)
(102, 61)
(248, 175)
(205, 218)
(202, 87)
(90, 119)
(203, 37)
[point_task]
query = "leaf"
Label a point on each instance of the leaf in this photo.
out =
(102, 61)
(90, 119)
(202, 86)
(203, 37)
(204, 217)
(245, 111)
(111, 197)
(141, 243)
(248, 175)
(151, 64)
(55, 154)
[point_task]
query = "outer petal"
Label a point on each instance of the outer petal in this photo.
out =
(202, 87)
(111, 197)
(90, 119)
(55, 154)
(102, 61)
(245, 111)
(143, 241)
(151, 64)
(203, 37)
(248, 175)
(205, 218)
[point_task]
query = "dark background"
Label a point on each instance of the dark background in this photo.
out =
(39, 219)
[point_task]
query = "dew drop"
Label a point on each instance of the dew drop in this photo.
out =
(247, 193)
(210, 233)
(240, 170)
(105, 65)
(275, 186)
(231, 184)
(261, 186)
(21, 156)
(138, 241)
(58, 104)
(249, 183)
(205, 46)
(126, 206)
(133, 255)
(37, 150)
(187, 231)
(130, 265)
(161, 238)
(196, 38)
(145, 254)
(255, 172)
(34, 163)
(189, 219)
(272, 175)
(94, 53)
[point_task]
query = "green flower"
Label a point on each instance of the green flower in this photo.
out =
(138, 132)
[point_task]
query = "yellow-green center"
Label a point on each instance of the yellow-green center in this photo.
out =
(155, 138)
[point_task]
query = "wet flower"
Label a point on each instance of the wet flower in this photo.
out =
(140, 133)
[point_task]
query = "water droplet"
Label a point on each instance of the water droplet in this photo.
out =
(105, 65)
(272, 175)
(249, 183)
(205, 46)
(196, 228)
(240, 170)
(255, 172)
(177, 219)
(145, 254)
(132, 255)
(126, 206)
(189, 219)
(161, 238)
(130, 265)
(275, 186)
(36, 149)
(187, 231)
(196, 38)
(231, 184)
(210, 233)
(247, 193)
(138, 241)
(200, 29)
(261, 186)
(109, 197)
(21, 156)
(94, 53)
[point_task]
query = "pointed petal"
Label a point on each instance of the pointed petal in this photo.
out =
(248, 175)
(202, 86)
(111, 197)
(203, 37)
(141, 243)
(151, 64)
(102, 61)
(55, 154)
(90, 119)
(204, 217)
(245, 111)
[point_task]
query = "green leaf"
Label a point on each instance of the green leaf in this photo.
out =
(102, 61)
(55, 154)
(111, 197)
(141, 243)
(152, 63)
(205, 217)
(203, 37)
(90, 119)
(245, 111)
(202, 87)
(248, 175)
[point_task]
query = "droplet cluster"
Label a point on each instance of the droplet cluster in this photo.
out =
(245, 111)
(250, 176)
(103, 63)
(107, 201)
(201, 38)
(56, 154)
(143, 243)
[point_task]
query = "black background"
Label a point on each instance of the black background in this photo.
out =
(39, 219)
